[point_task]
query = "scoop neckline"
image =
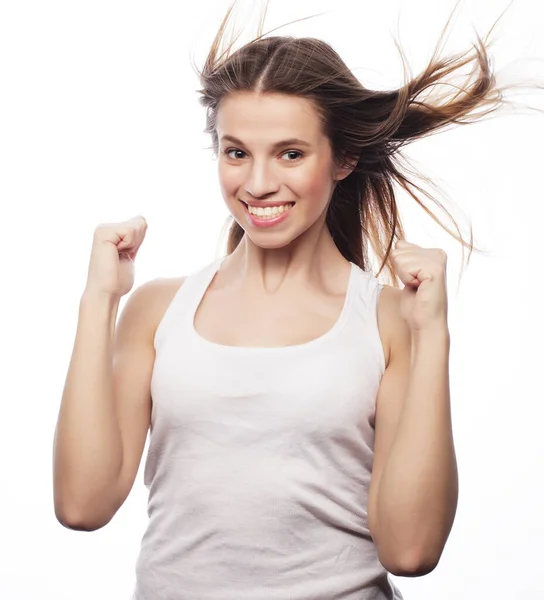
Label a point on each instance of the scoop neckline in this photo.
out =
(337, 327)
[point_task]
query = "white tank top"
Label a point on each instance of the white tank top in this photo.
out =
(260, 459)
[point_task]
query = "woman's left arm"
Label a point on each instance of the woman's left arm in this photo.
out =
(414, 490)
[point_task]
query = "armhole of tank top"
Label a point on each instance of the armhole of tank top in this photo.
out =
(381, 352)
(171, 312)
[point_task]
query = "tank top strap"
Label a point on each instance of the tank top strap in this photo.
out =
(182, 308)
(364, 311)
(366, 288)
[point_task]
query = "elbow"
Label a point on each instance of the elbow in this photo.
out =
(79, 520)
(409, 559)
(77, 523)
(83, 512)
(413, 569)
(410, 565)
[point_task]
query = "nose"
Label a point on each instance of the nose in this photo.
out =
(261, 181)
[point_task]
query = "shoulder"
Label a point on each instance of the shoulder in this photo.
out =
(394, 331)
(152, 298)
(157, 295)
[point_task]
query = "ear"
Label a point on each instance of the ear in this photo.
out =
(342, 171)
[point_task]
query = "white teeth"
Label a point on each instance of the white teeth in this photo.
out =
(269, 211)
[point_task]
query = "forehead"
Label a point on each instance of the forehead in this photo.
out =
(248, 114)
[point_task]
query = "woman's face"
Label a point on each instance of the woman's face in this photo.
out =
(273, 153)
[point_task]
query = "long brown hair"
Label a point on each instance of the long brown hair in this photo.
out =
(364, 126)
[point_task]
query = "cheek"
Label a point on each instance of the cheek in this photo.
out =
(316, 182)
(229, 180)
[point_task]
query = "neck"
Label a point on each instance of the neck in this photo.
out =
(311, 257)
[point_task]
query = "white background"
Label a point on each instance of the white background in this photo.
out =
(99, 121)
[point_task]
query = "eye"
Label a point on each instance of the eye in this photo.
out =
(299, 155)
(228, 151)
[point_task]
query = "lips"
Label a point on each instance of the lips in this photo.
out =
(270, 220)
(265, 204)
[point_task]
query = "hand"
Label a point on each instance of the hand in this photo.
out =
(424, 302)
(111, 266)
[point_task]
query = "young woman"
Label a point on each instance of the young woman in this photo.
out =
(301, 441)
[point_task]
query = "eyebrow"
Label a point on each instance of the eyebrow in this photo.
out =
(290, 142)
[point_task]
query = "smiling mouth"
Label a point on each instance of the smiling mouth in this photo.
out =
(268, 211)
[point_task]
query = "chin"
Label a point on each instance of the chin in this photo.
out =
(269, 241)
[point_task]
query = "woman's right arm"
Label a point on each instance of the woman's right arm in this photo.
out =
(106, 406)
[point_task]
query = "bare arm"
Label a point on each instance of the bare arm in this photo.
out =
(106, 407)
(414, 488)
